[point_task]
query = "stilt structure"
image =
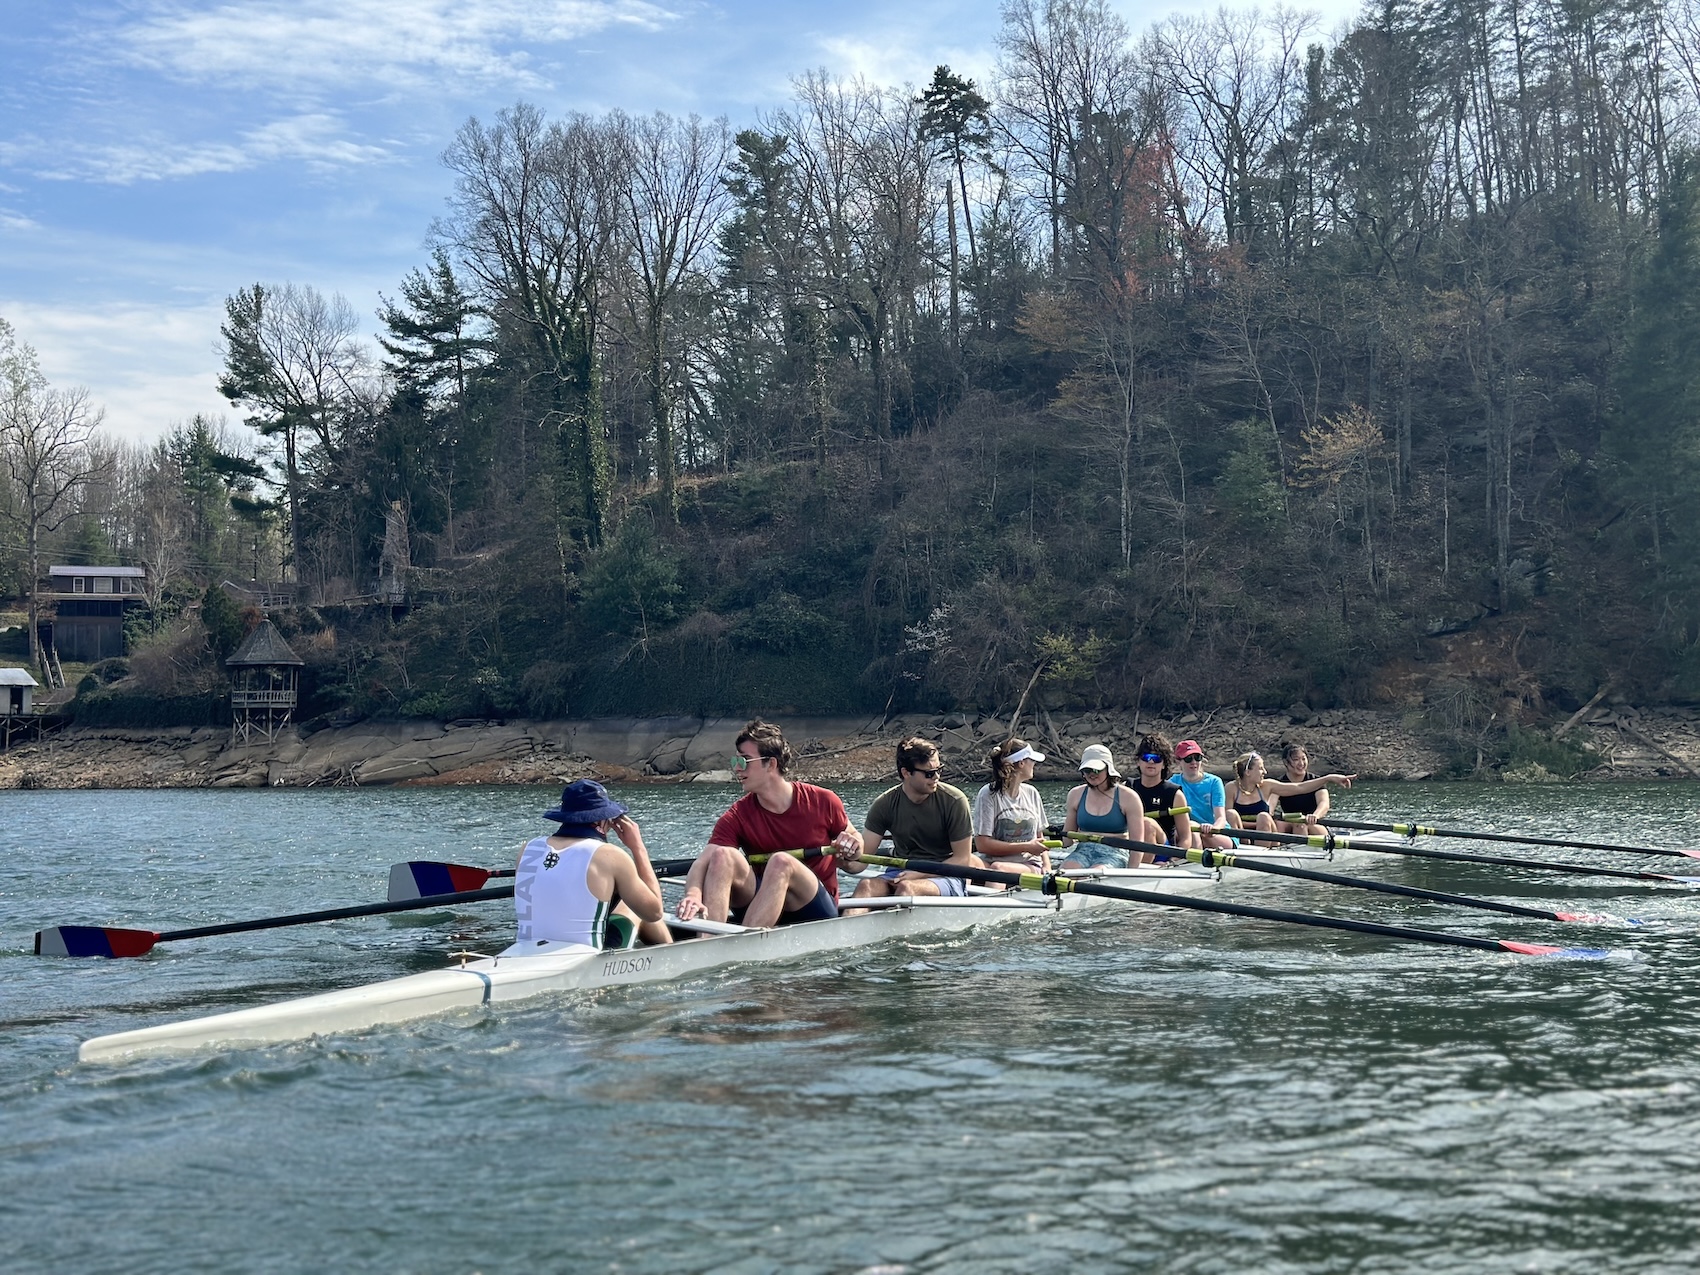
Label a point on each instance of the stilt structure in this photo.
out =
(264, 674)
(18, 712)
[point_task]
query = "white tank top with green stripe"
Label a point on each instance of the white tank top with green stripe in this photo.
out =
(552, 898)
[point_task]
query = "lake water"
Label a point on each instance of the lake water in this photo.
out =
(1134, 1090)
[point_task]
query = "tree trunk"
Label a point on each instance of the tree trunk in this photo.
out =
(955, 271)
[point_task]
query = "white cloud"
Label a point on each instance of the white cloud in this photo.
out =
(148, 366)
(414, 45)
(316, 139)
(891, 63)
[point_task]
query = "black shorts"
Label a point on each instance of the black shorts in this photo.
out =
(823, 907)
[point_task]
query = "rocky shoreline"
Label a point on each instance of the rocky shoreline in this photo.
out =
(1630, 743)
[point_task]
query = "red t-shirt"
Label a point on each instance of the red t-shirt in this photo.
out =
(816, 816)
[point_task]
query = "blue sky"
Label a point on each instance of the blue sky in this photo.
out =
(157, 155)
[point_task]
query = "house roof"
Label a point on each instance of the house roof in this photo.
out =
(17, 677)
(135, 573)
(265, 645)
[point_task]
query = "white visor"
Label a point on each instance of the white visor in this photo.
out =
(1023, 754)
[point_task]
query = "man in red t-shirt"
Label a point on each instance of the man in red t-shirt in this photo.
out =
(774, 814)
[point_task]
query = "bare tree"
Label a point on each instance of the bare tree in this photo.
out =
(1062, 63)
(44, 446)
(536, 215)
(673, 202)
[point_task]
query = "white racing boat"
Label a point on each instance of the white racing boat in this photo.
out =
(556, 967)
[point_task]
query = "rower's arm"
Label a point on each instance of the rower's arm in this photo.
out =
(636, 893)
(626, 828)
(690, 903)
(870, 843)
(1183, 829)
(961, 852)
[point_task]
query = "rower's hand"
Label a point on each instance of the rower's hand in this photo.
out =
(690, 907)
(627, 830)
(847, 845)
(1344, 781)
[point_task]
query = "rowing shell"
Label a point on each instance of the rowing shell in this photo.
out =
(557, 967)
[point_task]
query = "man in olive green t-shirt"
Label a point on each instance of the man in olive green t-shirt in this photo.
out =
(925, 819)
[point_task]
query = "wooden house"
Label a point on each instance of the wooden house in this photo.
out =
(83, 612)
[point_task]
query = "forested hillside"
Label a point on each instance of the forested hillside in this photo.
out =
(1221, 361)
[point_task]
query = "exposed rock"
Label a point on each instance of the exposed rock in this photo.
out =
(1633, 744)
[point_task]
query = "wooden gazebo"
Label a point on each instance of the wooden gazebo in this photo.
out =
(264, 674)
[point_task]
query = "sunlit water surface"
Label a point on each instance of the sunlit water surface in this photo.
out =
(1131, 1090)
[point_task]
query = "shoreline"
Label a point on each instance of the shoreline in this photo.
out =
(1633, 744)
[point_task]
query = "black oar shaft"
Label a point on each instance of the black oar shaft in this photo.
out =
(1210, 858)
(339, 914)
(1423, 830)
(1331, 842)
(1066, 885)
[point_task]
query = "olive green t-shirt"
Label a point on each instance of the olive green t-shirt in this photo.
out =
(921, 830)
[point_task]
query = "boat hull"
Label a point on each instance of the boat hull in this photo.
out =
(569, 967)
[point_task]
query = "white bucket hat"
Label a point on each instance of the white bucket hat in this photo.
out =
(1098, 757)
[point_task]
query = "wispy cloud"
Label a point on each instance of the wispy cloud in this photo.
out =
(355, 45)
(893, 62)
(316, 139)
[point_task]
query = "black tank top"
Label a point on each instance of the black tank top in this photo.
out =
(1157, 800)
(1249, 808)
(1303, 803)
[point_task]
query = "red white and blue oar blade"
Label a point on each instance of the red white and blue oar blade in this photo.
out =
(94, 940)
(1547, 949)
(422, 879)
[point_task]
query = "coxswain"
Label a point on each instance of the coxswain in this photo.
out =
(573, 887)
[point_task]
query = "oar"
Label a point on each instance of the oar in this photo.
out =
(1211, 858)
(1066, 885)
(1422, 830)
(110, 940)
(425, 878)
(1328, 841)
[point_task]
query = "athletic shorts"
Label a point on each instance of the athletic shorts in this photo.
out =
(820, 908)
(1090, 855)
(949, 887)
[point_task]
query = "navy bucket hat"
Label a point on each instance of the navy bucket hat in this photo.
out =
(584, 801)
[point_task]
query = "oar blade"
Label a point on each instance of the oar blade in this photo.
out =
(1547, 949)
(94, 940)
(423, 879)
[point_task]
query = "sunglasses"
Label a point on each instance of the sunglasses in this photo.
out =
(1195, 759)
(741, 763)
(1150, 756)
(926, 774)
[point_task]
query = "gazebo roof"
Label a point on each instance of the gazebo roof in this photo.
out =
(265, 645)
(16, 677)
